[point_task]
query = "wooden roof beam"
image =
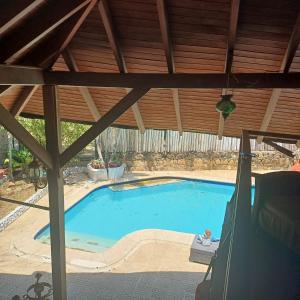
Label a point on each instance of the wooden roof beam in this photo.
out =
(20, 75)
(159, 80)
(19, 42)
(111, 116)
(84, 91)
(167, 43)
(118, 54)
(234, 15)
(10, 75)
(14, 12)
(284, 68)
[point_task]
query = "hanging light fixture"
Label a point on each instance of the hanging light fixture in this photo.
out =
(37, 175)
(225, 106)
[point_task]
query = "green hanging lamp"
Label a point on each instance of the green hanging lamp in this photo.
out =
(225, 106)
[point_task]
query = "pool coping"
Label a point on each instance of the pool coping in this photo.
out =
(24, 245)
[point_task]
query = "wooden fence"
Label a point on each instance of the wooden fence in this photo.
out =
(130, 140)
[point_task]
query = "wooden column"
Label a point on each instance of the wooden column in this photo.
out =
(56, 192)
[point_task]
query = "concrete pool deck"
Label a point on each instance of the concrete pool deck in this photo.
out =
(161, 251)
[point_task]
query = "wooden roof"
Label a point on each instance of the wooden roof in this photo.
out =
(156, 36)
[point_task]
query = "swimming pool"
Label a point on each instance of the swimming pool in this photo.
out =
(105, 215)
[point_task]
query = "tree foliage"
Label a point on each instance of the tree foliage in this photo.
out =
(69, 131)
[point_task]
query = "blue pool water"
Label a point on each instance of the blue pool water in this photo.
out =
(105, 216)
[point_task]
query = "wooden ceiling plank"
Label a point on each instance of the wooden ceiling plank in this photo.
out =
(18, 131)
(19, 42)
(168, 48)
(288, 57)
(111, 116)
(14, 12)
(118, 54)
(84, 91)
(22, 100)
(234, 15)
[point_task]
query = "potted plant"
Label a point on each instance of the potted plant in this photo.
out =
(115, 167)
(96, 170)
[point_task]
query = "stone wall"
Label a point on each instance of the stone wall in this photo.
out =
(193, 161)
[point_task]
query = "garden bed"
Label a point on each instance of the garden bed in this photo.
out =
(18, 190)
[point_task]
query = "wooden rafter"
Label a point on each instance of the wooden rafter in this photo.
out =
(103, 123)
(234, 15)
(10, 123)
(69, 29)
(47, 52)
(118, 54)
(20, 42)
(20, 75)
(284, 68)
(14, 12)
(84, 91)
(52, 48)
(23, 99)
(167, 43)
(175, 94)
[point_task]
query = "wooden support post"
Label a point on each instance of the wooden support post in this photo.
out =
(56, 193)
